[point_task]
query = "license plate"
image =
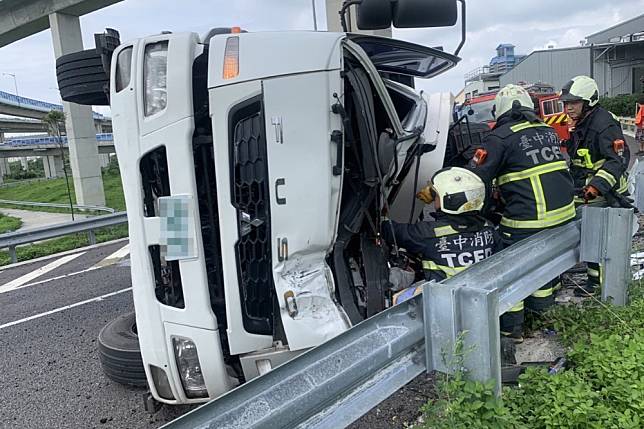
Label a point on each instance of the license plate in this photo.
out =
(177, 238)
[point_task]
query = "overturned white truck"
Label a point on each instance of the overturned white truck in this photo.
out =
(256, 168)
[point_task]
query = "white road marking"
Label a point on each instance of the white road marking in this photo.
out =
(60, 277)
(114, 258)
(58, 255)
(20, 281)
(67, 307)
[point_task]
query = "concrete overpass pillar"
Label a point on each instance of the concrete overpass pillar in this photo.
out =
(24, 163)
(4, 167)
(2, 137)
(53, 166)
(333, 20)
(81, 134)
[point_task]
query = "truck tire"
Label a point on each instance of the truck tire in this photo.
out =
(82, 79)
(119, 352)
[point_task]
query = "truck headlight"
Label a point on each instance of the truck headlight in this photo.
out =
(185, 353)
(155, 74)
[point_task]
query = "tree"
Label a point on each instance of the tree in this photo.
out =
(55, 120)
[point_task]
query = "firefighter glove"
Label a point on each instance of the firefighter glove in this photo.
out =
(590, 192)
(426, 194)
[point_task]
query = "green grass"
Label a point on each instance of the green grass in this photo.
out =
(9, 223)
(55, 191)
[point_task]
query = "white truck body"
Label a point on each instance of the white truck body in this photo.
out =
(261, 202)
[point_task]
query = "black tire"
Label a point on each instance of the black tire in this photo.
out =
(82, 79)
(119, 352)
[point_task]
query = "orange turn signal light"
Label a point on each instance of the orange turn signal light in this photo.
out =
(231, 58)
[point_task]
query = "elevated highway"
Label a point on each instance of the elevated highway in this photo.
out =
(48, 146)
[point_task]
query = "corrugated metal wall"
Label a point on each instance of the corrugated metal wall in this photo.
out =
(554, 66)
(614, 69)
(634, 25)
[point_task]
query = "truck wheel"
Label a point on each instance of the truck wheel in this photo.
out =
(119, 352)
(82, 79)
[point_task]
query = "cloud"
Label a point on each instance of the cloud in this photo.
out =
(528, 25)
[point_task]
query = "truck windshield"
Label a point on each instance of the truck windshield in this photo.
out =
(482, 111)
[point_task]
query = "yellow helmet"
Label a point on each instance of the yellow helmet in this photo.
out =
(458, 190)
(581, 88)
(508, 95)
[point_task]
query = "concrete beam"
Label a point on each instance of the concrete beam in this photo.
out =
(22, 18)
(81, 135)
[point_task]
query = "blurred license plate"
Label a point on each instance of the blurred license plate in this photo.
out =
(177, 238)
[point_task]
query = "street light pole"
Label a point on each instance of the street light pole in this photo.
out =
(15, 83)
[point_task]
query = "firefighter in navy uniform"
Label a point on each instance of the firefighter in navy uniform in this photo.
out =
(458, 237)
(522, 157)
(599, 155)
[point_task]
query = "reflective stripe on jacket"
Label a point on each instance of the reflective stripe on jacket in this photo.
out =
(524, 156)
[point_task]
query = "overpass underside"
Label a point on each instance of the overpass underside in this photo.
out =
(22, 18)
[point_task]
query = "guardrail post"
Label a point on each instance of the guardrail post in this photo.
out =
(479, 310)
(12, 253)
(92, 237)
(470, 315)
(606, 238)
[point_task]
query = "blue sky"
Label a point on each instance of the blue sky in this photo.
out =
(528, 25)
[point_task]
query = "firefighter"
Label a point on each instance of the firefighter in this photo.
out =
(639, 124)
(457, 238)
(599, 155)
(522, 156)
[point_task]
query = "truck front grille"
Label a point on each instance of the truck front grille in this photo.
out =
(156, 184)
(250, 197)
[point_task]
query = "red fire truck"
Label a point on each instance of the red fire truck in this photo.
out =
(546, 100)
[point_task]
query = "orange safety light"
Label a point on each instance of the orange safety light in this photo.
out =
(235, 30)
(231, 58)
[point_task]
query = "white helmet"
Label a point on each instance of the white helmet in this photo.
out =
(581, 88)
(458, 190)
(508, 95)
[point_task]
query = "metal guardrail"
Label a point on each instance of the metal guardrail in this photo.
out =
(334, 384)
(57, 205)
(13, 239)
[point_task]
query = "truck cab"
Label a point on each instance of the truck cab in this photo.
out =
(257, 170)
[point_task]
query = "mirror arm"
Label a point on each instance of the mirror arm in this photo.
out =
(463, 28)
(343, 12)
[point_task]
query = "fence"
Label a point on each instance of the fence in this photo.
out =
(332, 385)
(13, 239)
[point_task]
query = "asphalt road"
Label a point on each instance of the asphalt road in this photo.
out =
(50, 376)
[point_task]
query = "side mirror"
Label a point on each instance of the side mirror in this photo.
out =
(380, 14)
(374, 15)
(424, 13)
